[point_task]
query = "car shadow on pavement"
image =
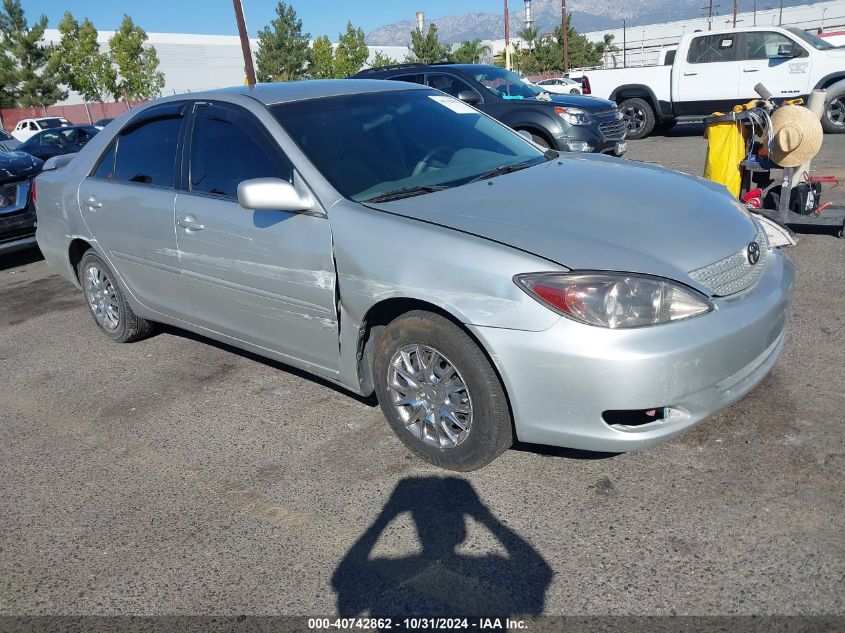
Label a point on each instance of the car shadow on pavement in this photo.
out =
(558, 451)
(438, 580)
(278, 365)
(20, 258)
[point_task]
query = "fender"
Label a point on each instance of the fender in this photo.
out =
(542, 119)
(829, 80)
(639, 90)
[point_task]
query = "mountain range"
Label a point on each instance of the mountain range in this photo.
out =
(587, 15)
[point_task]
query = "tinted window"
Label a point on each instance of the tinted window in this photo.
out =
(147, 153)
(447, 83)
(49, 138)
(765, 44)
(105, 169)
(414, 79)
(369, 144)
(229, 146)
(50, 123)
(712, 48)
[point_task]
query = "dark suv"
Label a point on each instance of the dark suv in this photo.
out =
(562, 122)
(17, 208)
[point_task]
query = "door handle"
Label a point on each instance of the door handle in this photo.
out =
(689, 73)
(190, 223)
(750, 70)
(93, 203)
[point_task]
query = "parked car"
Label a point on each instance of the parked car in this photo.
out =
(561, 122)
(17, 209)
(391, 239)
(8, 143)
(30, 127)
(59, 141)
(103, 123)
(560, 85)
(713, 71)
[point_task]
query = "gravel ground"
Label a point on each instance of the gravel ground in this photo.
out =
(179, 476)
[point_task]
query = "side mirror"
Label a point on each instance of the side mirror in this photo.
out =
(469, 96)
(788, 50)
(272, 194)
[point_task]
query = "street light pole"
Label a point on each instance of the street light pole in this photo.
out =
(249, 69)
(735, 7)
(507, 37)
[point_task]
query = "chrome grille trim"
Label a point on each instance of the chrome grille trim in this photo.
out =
(14, 196)
(613, 130)
(733, 273)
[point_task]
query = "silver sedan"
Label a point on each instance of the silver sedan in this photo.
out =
(379, 235)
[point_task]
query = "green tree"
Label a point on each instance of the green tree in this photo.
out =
(79, 61)
(529, 35)
(321, 63)
(470, 52)
(351, 53)
(28, 78)
(427, 48)
(380, 60)
(283, 52)
(138, 76)
(582, 52)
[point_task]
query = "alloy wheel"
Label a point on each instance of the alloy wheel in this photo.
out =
(635, 119)
(836, 111)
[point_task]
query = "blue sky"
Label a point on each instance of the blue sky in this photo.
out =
(217, 16)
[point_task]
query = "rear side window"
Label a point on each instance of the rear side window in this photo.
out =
(229, 146)
(713, 48)
(146, 153)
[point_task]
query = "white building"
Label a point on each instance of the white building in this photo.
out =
(192, 63)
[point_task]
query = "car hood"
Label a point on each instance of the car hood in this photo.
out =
(18, 166)
(593, 212)
(589, 104)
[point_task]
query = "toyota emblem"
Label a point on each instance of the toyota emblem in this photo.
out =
(753, 253)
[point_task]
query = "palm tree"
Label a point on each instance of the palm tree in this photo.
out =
(470, 52)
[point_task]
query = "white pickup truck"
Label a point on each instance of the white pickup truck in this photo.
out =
(713, 71)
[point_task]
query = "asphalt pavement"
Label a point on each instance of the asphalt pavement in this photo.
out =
(179, 476)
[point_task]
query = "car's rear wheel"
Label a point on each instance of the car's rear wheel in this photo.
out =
(105, 300)
(833, 117)
(639, 116)
(439, 392)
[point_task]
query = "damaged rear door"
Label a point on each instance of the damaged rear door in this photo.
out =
(264, 277)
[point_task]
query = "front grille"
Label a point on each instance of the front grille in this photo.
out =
(733, 273)
(13, 196)
(613, 130)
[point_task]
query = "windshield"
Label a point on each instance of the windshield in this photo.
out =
(816, 42)
(505, 84)
(368, 145)
(50, 123)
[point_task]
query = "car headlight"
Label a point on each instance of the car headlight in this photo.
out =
(614, 300)
(575, 116)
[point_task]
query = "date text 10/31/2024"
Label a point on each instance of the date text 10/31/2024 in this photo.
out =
(413, 624)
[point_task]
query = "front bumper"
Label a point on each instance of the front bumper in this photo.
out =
(560, 381)
(574, 136)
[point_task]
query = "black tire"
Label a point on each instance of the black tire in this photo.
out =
(490, 431)
(129, 327)
(833, 117)
(541, 141)
(640, 117)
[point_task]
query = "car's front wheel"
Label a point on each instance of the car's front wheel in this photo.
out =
(439, 392)
(833, 117)
(110, 310)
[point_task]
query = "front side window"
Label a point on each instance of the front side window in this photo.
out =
(712, 48)
(50, 138)
(449, 84)
(765, 44)
(505, 83)
(105, 168)
(372, 144)
(146, 153)
(229, 146)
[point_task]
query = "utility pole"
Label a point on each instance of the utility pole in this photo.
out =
(507, 37)
(249, 69)
(780, 20)
(755, 12)
(565, 35)
(735, 7)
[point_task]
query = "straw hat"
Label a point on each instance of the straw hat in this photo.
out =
(797, 136)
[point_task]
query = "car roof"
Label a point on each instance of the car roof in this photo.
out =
(284, 92)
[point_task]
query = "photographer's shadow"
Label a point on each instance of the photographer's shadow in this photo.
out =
(439, 581)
